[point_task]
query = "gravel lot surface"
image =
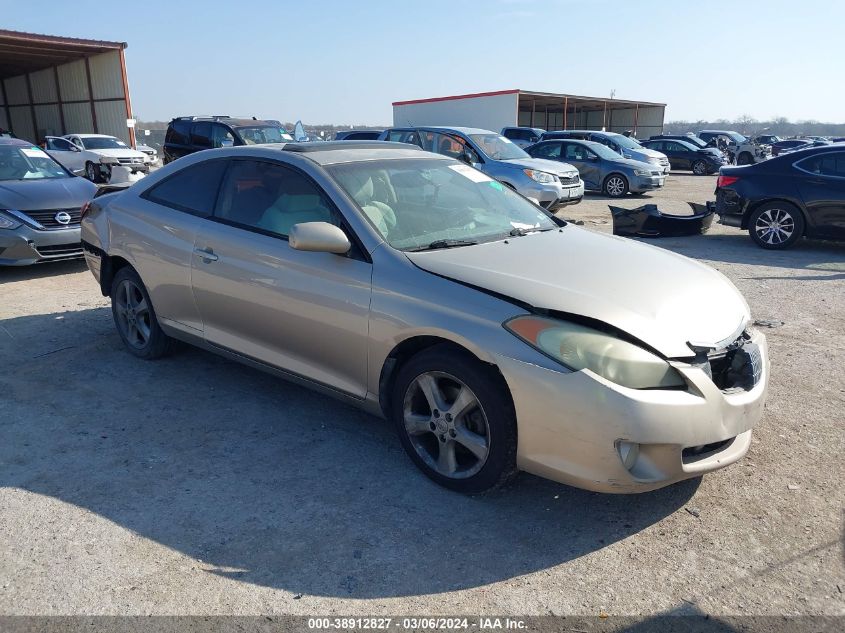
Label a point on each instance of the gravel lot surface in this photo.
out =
(193, 485)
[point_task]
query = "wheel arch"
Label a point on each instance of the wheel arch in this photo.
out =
(403, 351)
(109, 267)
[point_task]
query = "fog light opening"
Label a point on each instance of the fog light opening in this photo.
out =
(628, 453)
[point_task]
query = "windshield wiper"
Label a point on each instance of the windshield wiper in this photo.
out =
(438, 244)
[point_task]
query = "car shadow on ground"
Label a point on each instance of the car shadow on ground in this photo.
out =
(738, 248)
(9, 274)
(269, 483)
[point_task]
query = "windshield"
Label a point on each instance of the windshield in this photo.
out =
(262, 134)
(28, 163)
(694, 140)
(626, 142)
(736, 137)
(419, 204)
(497, 147)
(103, 142)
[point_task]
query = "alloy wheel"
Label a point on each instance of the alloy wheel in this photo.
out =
(133, 314)
(615, 186)
(91, 172)
(446, 425)
(774, 226)
(699, 168)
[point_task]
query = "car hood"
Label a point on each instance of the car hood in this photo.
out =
(116, 152)
(49, 193)
(541, 164)
(659, 297)
(633, 163)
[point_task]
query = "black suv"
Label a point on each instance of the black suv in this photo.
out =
(189, 134)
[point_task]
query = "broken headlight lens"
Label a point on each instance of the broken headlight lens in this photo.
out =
(578, 347)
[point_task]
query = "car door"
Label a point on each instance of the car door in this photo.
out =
(168, 215)
(304, 312)
(676, 153)
(66, 153)
(585, 161)
(821, 182)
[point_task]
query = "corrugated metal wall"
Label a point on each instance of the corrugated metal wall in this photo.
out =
(61, 103)
(490, 112)
(646, 120)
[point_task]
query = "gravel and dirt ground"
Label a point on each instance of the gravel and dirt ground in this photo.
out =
(193, 485)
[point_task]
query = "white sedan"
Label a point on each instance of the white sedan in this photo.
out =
(94, 155)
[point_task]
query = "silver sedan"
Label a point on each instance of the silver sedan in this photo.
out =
(493, 335)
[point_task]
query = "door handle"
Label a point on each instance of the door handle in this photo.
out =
(207, 254)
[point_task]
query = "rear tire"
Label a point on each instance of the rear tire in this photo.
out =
(615, 186)
(135, 318)
(744, 159)
(455, 420)
(699, 168)
(776, 225)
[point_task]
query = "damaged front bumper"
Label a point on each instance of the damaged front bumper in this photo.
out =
(581, 429)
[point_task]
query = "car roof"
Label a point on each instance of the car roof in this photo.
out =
(92, 135)
(578, 141)
(335, 152)
(440, 128)
(8, 140)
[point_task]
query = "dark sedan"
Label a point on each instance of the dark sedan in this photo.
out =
(782, 199)
(790, 143)
(685, 155)
(40, 206)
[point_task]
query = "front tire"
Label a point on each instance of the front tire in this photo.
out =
(699, 168)
(135, 317)
(91, 172)
(744, 159)
(615, 186)
(776, 225)
(455, 420)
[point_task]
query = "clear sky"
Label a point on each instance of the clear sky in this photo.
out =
(345, 61)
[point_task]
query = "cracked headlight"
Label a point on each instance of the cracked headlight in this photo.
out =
(578, 347)
(539, 176)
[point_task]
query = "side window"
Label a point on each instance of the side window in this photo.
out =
(575, 152)
(221, 136)
(201, 134)
(178, 133)
(193, 189)
(825, 165)
(447, 145)
(404, 136)
(510, 133)
(59, 144)
(547, 150)
(270, 197)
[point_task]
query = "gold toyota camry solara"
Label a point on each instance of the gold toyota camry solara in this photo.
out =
(494, 336)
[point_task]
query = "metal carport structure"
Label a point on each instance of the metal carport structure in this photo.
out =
(53, 85)
(547, 110)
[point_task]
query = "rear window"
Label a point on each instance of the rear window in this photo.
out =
(178, 132)
(193, 189)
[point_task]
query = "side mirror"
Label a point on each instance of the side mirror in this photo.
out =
(75, 148)
(466, 158)
(318, 237)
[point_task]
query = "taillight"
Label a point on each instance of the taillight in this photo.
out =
(726, 181)
(84, 211)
